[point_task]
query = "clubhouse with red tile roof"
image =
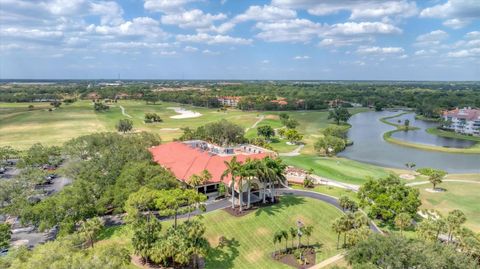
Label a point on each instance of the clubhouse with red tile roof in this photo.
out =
(188, 158)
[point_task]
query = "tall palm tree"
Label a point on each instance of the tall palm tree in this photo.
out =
(232, 169)
(307, 230)
(337, 227)
(293, 233)
(278, 168)
(265, 175)
(277, 237)
(285, 236)
(248, 173)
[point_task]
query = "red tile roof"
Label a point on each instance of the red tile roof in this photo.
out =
(185, 161)
(465, 113)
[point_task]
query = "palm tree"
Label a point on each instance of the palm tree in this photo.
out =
(265, 175)
(232, 169)
(90, 229)
(308, 232)
(293, 233)
(195, 180)
(337, 228)
(248, 172)
(285, 236)
(277, 238)
(278, 168)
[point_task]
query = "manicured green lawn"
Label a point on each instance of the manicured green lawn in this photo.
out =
(340, 169)
(463, 196)
(250, 236)
(20, 127)
(329, 190)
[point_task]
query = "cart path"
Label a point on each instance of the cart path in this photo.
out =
(256, 123)
(124, 113)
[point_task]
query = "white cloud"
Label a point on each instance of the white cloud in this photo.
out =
(304, 57)
(380, 50)
(190, 49)
(475, 52)
(456, 23)
(458, 13)
(194, 18)
(165, 5)
(209, 52)
(266, 13)
(359, 9)
(28, 33)
(434, 38)
(296, 30)
(341, 41)
(213, 39)
(265, 62)
(363, 28)
(473, 35)
(428, 52)
(141, 26)
(110, 12)
(134, 45)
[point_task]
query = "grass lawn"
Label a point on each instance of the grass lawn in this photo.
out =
(340, 169)
(329, 190)
(251, 235)
(463, 196)
(20, 127)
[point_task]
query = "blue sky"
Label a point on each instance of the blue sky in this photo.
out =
(240, 39)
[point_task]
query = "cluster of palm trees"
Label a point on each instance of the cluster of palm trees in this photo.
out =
(267, 171)
(293, 233)
(353, 225)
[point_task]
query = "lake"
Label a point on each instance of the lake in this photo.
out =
(370, 147)
(420, 136)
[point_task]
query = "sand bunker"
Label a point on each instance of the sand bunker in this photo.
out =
(184, 114)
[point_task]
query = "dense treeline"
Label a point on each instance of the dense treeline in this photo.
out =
(426, 97)
(106, 168)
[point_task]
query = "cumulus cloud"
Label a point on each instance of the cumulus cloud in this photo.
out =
(433, 38)
(475, 52)
(213, 39)
(363, 28)
(304, 57)
(359, 9)
(295, 30)
(380, 50)
(194, 18)
(190, 49)
(165, 5)
(458, 13)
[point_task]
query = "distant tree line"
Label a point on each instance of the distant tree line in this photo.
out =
(427, 98)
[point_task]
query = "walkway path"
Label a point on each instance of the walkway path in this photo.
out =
(294, 152)
(255, 124)
(328, 261)
(123, 112)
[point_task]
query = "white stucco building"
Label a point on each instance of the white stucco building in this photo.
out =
(465, 120)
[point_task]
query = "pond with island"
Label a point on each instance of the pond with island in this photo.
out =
(370, 147)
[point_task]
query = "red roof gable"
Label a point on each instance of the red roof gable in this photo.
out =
(185, 161)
